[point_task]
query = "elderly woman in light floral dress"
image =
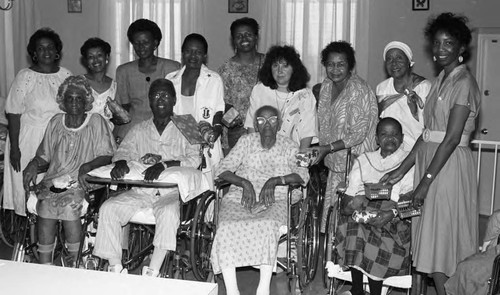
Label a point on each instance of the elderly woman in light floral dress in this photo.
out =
(259, 167)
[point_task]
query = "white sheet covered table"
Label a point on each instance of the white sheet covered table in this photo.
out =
(28, 278)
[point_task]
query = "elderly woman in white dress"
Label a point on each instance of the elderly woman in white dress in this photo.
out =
(259, 168)
(402, 96)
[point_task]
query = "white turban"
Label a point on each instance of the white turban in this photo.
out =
(401, 46)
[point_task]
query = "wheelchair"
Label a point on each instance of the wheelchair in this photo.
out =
(334, 275)
(194, 236)
(300, 235)
(25, 237)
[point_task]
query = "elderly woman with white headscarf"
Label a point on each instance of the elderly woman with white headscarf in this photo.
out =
(402, 95)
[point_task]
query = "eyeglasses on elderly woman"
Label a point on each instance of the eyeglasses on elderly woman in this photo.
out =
(273, 120)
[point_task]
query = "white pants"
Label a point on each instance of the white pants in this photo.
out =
(117, 212)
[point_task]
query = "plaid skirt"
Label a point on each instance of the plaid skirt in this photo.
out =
(379, 252)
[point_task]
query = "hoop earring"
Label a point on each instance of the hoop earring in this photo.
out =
(34, 58)
(460, 59)
(57, 56)
(434, 58)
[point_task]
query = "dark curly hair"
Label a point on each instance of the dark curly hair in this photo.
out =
(245, 21)
(95, 43)
(455, 25)
(195, 37)
(40, 34)
(79, 82)
(300, 76)
(342, 47)
(144, 25)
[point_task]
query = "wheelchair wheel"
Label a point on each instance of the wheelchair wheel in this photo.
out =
(25, 243)
(316, 186)
(328, 245)
(202, 235)
(140, 241)
(10, 225)
(307, 243)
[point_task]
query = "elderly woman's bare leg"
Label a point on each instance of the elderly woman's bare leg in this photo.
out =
(46, 239)
(230, 281)
(72, 231)
(266, 272)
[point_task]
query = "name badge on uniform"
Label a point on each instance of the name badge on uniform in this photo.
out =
(205, 113)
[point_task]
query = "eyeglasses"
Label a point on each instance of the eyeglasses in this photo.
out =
(162, 95)
(273, 120)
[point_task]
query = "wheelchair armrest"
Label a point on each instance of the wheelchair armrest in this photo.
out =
(296, 185)
(221, 183)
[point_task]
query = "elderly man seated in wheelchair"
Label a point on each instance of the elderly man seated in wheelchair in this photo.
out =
(371, 239)
(259, 167)
(74, 143)
(158, 136)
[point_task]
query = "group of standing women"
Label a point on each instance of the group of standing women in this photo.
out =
(345, 117)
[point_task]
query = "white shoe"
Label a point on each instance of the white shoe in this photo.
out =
(149, 272)
(117, 268)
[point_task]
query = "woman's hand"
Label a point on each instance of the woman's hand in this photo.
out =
(420, 194)
(29, 174)
(121, 168)
(392, 177)
(82, 176)
(153, 172)
(266, 195)
(15, 158)
(248, 197)
(322, 150)
(382, 218)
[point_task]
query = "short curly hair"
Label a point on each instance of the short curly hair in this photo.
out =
(195, 37)
(245, 21)
(144, 25)
(95, 43)
(79, 82)
(300, 75)
(40, 34)
(341, 47)
(455, 25)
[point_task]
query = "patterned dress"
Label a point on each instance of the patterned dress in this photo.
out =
(352, 118)
(238, 83)
(242, 238)
(33, 96)
(377, 252)
(66, 149)
(100, 106)
(446, 232)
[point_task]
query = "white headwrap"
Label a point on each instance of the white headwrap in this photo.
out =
(401, 46)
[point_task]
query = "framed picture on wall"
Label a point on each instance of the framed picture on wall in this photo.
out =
(238, 6)
(420, 4)
(75, 6)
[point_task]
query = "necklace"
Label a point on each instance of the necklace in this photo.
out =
(279, 98)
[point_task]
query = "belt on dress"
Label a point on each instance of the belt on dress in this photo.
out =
(438, 137)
